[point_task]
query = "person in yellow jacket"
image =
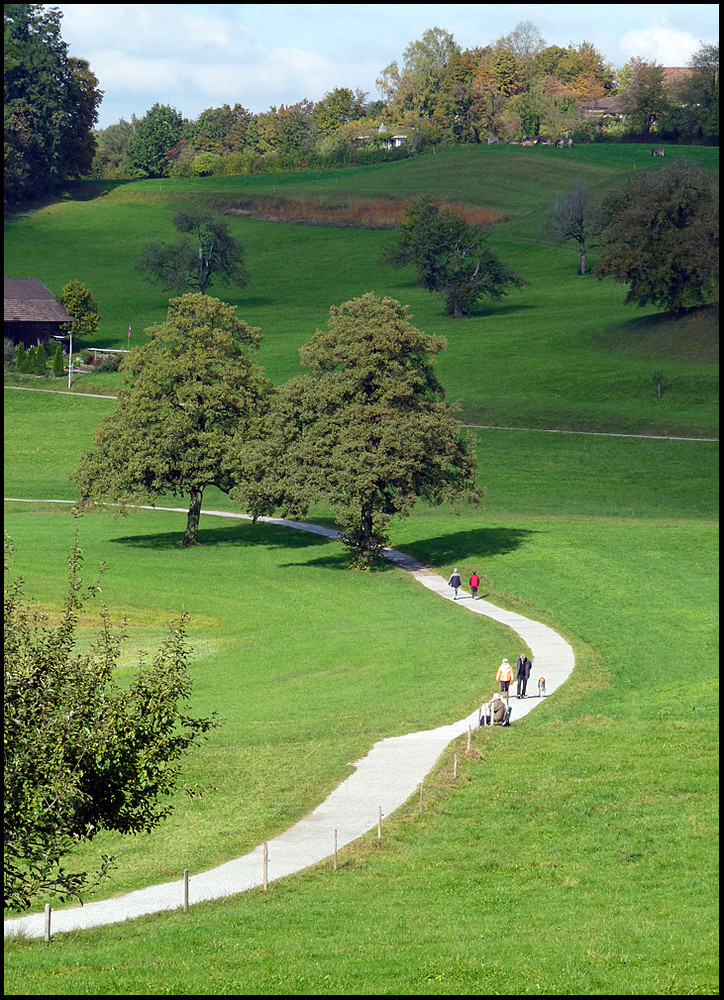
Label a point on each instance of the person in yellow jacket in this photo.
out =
(505, 675)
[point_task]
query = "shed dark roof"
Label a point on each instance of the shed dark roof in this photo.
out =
(27, 300)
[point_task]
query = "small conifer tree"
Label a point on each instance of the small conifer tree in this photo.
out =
(58, 361)
(21, 360)
(41, 360)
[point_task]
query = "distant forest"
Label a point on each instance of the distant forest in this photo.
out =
(518, 89)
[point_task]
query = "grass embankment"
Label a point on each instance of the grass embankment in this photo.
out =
(589, 832)
(577, 852)
(561, 351)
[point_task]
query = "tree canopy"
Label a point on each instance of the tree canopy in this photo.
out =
(80, 303)
(450, 257)
(661, 237)
(51, 104)
(190, 397)
(208, 253)
(367, 430)
(151, 139)
(81, 753)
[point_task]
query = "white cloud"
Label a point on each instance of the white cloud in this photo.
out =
(196, 56)
(666, 46)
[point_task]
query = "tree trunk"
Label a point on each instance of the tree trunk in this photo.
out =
(365, 554)
(582, 256)
(192, 521)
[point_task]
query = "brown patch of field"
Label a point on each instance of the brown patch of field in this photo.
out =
(378, 213)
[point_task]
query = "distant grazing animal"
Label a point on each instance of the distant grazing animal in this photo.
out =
(659, 151)
(541, 687)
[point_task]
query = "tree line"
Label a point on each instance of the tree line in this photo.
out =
(516, 87)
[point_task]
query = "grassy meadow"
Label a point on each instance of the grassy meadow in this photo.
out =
(575, 853)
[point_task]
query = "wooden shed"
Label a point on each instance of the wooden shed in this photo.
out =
(32, 314)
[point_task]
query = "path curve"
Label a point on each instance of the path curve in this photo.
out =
(383, 780)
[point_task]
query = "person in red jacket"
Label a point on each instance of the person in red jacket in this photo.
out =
(474, 584)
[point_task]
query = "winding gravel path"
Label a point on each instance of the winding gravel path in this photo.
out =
(383, 780)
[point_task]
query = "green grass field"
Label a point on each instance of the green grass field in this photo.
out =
(576, 853)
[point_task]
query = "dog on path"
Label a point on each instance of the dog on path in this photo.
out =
(541, 687)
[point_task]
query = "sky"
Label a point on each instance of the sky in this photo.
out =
(196, 56)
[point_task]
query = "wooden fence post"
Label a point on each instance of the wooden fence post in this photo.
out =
(47, 923)
(379, 825)
(420, 796)
(186, 890)
(266, 866)
(335, 850)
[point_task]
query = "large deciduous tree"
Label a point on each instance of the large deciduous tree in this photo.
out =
(190, 397)
(153, 136)
(415, 88)
(367, 430)
(51, 104)
(450, 257)
(661, 237)
(207, 253)
(81, 753)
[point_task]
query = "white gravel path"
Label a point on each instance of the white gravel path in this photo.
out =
(390, 773)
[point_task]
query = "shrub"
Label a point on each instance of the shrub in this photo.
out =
(10, 354)
(110, 363)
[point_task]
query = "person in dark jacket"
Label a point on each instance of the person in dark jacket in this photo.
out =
(522, 675)
(455, 582)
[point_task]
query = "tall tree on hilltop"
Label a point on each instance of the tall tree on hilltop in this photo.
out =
(153, 136)
(366, 431)
(415, 88)
(51, 105)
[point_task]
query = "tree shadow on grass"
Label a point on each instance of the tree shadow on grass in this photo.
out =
(472, 546)
(240, 534)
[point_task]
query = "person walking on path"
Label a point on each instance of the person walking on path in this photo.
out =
(523, 673)
(455, 582)
(505, 676)
(474, 584)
